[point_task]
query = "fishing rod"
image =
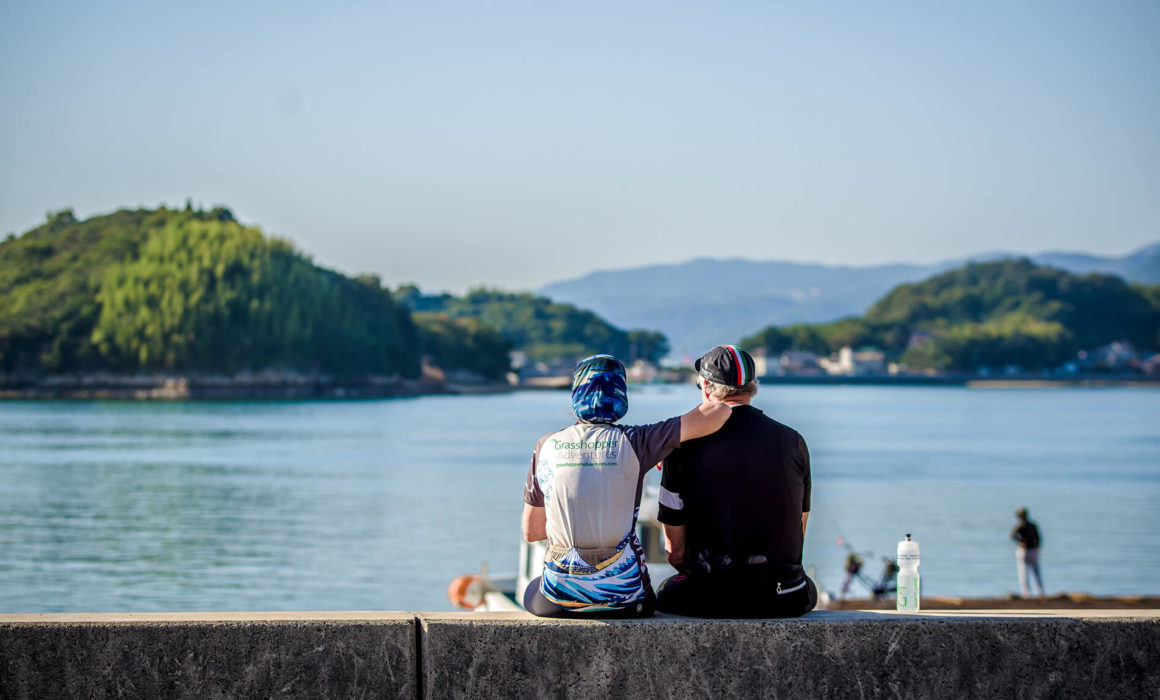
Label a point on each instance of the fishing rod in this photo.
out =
(884, 587)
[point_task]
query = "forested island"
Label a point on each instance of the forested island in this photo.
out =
(1009, 313)
(542, 329)
(151, 302)
(195, 294)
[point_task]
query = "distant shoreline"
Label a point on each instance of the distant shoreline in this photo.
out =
(263, 386)
(291, 386)
(973, 381)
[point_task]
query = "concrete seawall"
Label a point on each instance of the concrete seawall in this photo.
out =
(453, 655)
(215, 655)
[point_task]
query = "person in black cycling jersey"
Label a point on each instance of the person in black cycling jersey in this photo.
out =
(734, 506)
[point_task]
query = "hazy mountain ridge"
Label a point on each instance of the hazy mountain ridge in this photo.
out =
(706, 301)
(1141, 266)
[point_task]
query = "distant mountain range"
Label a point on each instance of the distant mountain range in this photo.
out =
(703, 302)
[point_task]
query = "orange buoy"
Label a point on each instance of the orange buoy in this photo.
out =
(461, 592)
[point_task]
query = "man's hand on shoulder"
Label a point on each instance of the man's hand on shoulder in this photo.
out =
(706, 419)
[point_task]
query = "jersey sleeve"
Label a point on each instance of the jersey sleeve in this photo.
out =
(533, 496)
(802, 459)
(653, 442)
(671, 509)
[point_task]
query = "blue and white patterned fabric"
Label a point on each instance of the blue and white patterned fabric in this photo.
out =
(599, 389)
(612, 584)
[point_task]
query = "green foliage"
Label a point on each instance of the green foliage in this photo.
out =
(1096, 308)
(193, 290)
(646, 345)
(49, 280)
(538, 326)
(854, 332)
(411, 297)
(990, 314)
(188, 291)
(463, 343)
(776, 340)
(1013, 339)
(819, 338)
(216, 295)
(930, 356)
(1152, 294)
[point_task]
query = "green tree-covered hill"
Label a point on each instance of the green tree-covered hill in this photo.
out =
(188, 291)
(195, 291)
(463, 344)
(538, 326)
(989, 314)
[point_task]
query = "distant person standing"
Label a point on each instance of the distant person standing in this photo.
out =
(1027, 553)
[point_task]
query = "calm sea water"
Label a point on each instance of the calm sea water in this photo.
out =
(122, 506)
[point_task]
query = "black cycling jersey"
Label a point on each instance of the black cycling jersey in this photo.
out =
(741, 491)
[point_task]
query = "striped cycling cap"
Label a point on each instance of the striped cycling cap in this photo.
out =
(728, 365)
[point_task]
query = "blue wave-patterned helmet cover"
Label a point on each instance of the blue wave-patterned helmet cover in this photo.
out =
(599, 389)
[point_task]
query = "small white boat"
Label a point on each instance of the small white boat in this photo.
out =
(486, 593)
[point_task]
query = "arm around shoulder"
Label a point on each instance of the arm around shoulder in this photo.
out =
(705, 419)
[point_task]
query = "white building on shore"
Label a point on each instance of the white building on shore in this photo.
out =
(851, 363)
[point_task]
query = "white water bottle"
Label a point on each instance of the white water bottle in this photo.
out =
(908, 575)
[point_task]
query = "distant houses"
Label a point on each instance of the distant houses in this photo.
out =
(919, 340)
(1151, 366)
(866, 361)
(532, 373)
(558, 373)
(799, 363)
(643, 372)
(848, 362)
(1119, 358)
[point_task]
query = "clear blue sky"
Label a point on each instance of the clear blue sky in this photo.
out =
(517, 144)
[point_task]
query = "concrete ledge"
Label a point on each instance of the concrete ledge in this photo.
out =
(826, 654)
(1046, 653)
(214, 655)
